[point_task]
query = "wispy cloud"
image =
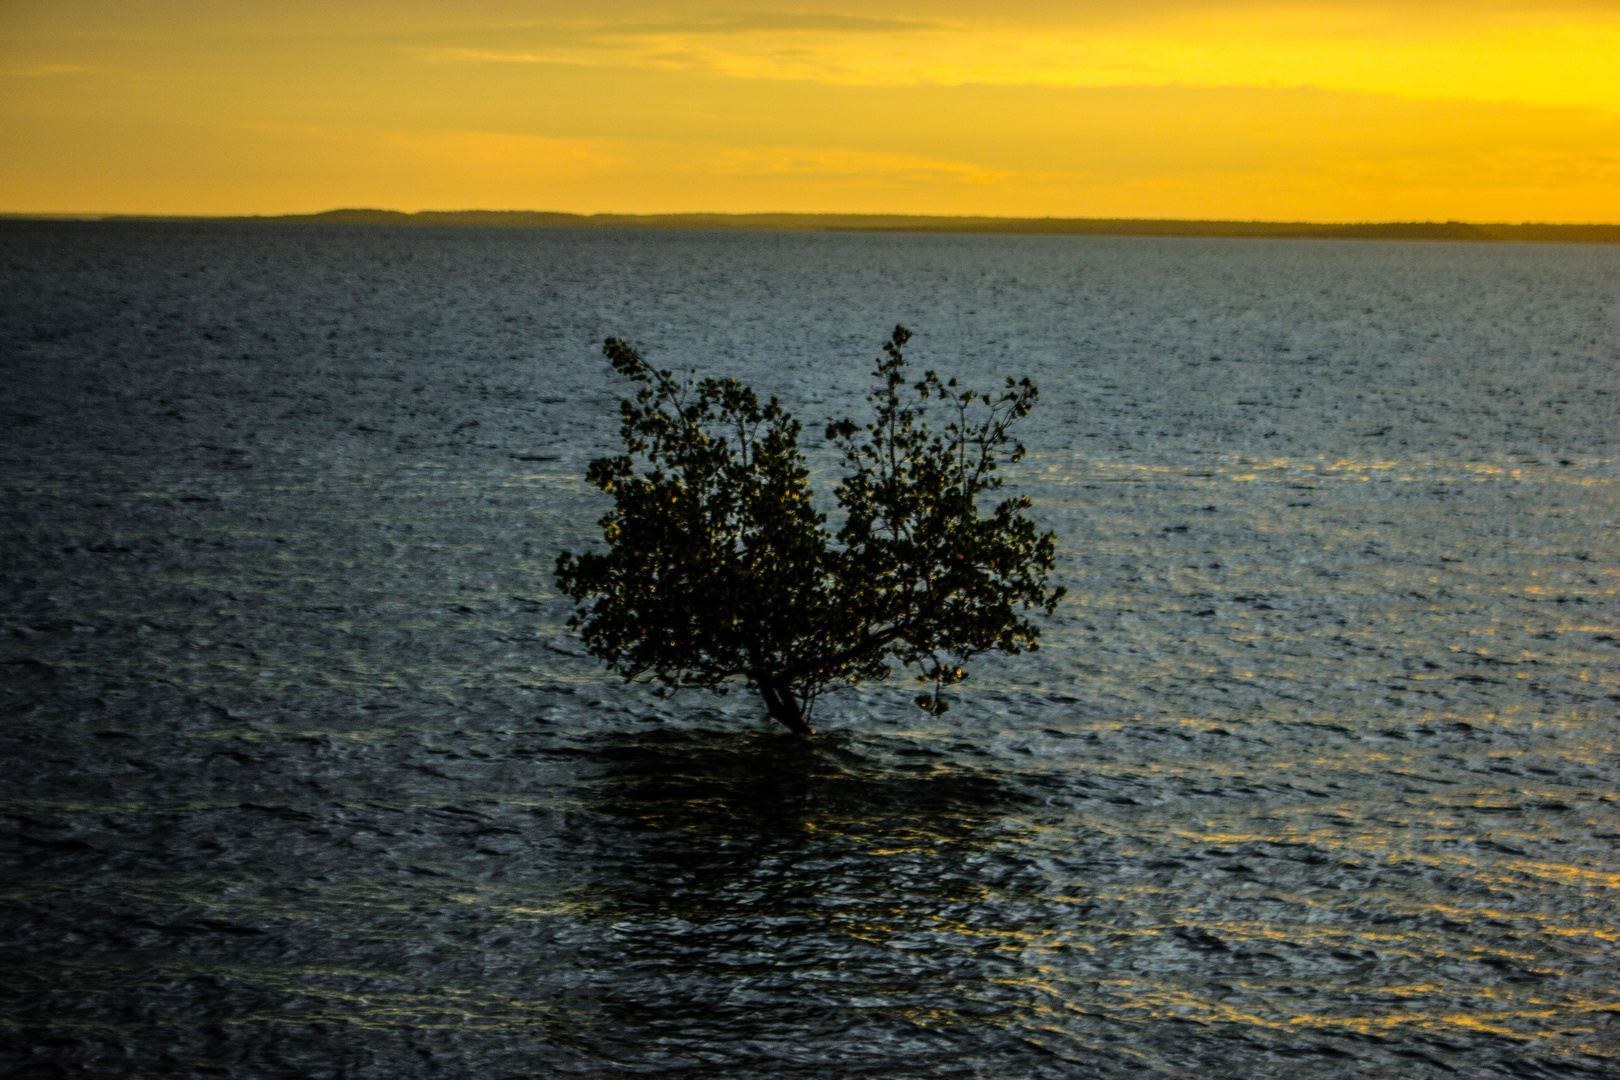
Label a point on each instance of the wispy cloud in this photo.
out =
(434, 55)
(765, 22)
(833, 163)
(1344, 47)
(820, 48)
(43, 70)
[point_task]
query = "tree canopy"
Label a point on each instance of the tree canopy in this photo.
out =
(719, 566)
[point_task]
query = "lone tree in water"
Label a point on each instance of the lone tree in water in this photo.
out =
(719, 567)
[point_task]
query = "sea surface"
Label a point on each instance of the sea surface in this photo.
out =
(303, 775)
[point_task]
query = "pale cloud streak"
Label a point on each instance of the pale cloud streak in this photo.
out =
(840, 165)
(1342, 47)
(42, 70)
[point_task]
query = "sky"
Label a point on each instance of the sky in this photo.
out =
(1348, 110)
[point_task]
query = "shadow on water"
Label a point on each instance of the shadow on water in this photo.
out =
(760, 782)
(767, 906)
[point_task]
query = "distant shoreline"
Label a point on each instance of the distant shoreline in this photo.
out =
(905, 223)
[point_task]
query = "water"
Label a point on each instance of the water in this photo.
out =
(305, 776)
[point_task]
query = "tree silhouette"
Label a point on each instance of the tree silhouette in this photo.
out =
(719, 566)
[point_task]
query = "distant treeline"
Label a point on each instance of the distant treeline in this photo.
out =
(908, 223)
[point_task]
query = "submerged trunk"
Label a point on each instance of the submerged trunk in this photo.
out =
(784, 707)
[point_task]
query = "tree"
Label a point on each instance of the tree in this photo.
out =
(719, 566)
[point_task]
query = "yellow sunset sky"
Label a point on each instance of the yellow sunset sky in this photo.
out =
(1357, 110)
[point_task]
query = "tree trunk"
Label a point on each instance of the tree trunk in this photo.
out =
(784, 707)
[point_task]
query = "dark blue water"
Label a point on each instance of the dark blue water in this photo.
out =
(304, 776)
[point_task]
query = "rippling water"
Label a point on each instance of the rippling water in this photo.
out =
(304, 775)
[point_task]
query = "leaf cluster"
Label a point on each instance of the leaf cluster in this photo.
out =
(942, 583)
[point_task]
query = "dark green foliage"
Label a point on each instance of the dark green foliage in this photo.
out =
(720, 567)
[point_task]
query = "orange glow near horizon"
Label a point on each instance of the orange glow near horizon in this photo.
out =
(1354, 110)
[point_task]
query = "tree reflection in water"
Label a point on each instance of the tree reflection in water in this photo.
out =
(763, 901)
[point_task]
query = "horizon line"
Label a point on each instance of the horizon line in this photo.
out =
(1543, 232)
